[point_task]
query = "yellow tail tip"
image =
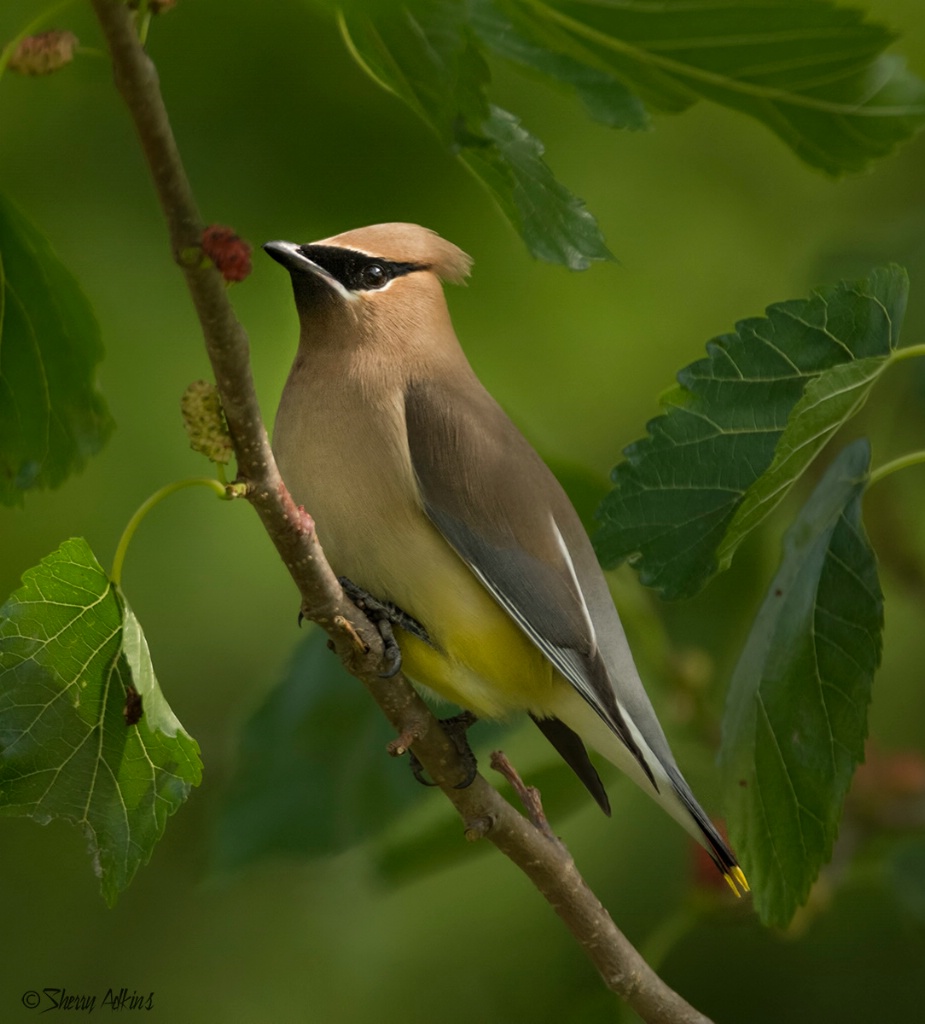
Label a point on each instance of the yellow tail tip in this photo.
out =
(736, 880)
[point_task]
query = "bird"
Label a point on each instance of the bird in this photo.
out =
(426, 496)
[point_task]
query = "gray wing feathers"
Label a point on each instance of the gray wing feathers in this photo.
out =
(508, 528)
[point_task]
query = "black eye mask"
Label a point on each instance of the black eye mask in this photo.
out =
(355, 270)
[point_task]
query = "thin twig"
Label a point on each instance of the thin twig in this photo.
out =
(485, 813)
(529, 796)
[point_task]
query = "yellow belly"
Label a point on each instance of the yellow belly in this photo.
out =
(481, 660)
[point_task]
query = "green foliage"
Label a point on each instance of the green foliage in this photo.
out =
(514, 32)
(52, 417)
(70, 650)
(427, 56)
(313, 775)
(815, 73)
(812, 71)
(743, 425)
(740, 429)
(796, 716)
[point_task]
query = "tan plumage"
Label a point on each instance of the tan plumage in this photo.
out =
(426, 495)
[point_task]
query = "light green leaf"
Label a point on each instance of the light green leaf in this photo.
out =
(71, 656)
(52, 417)
(743, 426)
(829, 401)
(425, 53)
(313, 775)
(796, 713)
(813, 72)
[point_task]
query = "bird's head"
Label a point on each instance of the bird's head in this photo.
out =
(373, 282)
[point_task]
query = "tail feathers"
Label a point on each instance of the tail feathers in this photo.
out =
(573, 752)
(711, 840)
(579, 724)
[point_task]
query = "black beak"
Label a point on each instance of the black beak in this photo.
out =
(292, 257)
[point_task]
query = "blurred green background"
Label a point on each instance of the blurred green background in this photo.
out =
(712, 219)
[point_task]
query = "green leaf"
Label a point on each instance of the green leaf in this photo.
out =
(813, 72)
(796, 713)
(313, 775)
(743, 426)
(513, 34)
(70, 649)
(52, 417)
(426, 54)
(553, 222)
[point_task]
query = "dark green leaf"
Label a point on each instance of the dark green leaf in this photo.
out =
(743, 425)
(70, 649)
(52, 417)
(553, 222)
(510, 32)
(313, 776)
(813, 72)
(426, 54)
(796, 714)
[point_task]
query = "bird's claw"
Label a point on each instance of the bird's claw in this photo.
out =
(384, 615)
(455, 728)
(391, 652)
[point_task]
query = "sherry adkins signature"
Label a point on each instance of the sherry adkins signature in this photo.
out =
(62, 999)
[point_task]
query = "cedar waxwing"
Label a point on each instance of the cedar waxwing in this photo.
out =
(425, 495)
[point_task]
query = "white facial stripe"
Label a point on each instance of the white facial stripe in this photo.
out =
(376, 291)
(310, 267)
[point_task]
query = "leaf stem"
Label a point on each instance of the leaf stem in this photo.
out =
(904, 461)
(909, 352)
(158, 496)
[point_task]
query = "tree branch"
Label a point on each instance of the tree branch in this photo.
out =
(484, 812)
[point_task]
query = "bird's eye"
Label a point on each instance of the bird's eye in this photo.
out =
(374, 275)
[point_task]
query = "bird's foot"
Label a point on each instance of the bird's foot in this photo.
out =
(384, 615)
(455, 728)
